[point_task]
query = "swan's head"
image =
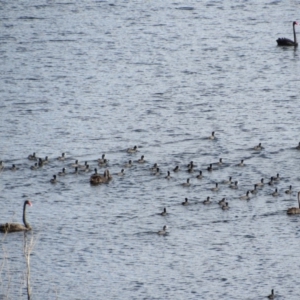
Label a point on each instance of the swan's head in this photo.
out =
(295, 23)
(28, 202)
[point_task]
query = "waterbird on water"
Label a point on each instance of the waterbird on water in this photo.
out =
(186, 202)
(241, 164)
(187, 183)
(168, 175)
(141, 160)
(62, 157)
(288, 42)
(199, 176)
(207, 201)
(212, 137)
(176, 169)
(163, 231)
(289, 191)
(132, 150)
(258, 147)
(13, 227)
(62, 173)
(53, 180)
(164, 212)
(32, 156)
(294, 210)
(216, 188)
(275, 193)
(271, 296)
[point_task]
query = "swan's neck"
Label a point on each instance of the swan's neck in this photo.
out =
(299, 199)
(295, 37)
(24, 217)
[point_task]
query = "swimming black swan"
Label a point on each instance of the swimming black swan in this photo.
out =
(288, 42)
(12, 227)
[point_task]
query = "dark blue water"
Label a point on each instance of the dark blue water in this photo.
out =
(99, 77)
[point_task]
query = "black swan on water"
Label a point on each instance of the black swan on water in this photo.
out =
(12, 227)
(288, 42)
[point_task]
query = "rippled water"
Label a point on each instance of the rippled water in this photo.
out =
(99, 77)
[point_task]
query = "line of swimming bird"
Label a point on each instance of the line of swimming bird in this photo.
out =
(96, 179)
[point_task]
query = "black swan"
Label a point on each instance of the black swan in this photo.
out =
(288, 42)
(13, 227)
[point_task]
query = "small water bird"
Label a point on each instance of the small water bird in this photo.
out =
(216, 188)
(176, 169)
(132, 150)
(32, 156)
(229, 181)
(289, 191)
(277, 177)
(45, 161)
(275, 193)
(258, 147)
(53, 180)
(121, 173)
(168, 175)
(164, 212)
(75, 164)
(102, 161)
(163, 231)
(261, 183)
(212, 137)
(222, 202)
(234, 185)
(156, 172)
(40, 163)
(155, 166)
(271, 182)
(86, 169)
(207, 201)
(62, 157)
(187, 183)
(186, 202)
(245, 197)
(255, 190)
(241, 164)
(34, 167)
(209, 168)
(190, 165)
(83, 167)
(141, 160)
(199, 176)
(14, 168)
(63, 172)
(225, 206)
(272, 295)
(128, 164)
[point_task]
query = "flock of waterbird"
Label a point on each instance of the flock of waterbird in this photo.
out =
(106, 177)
